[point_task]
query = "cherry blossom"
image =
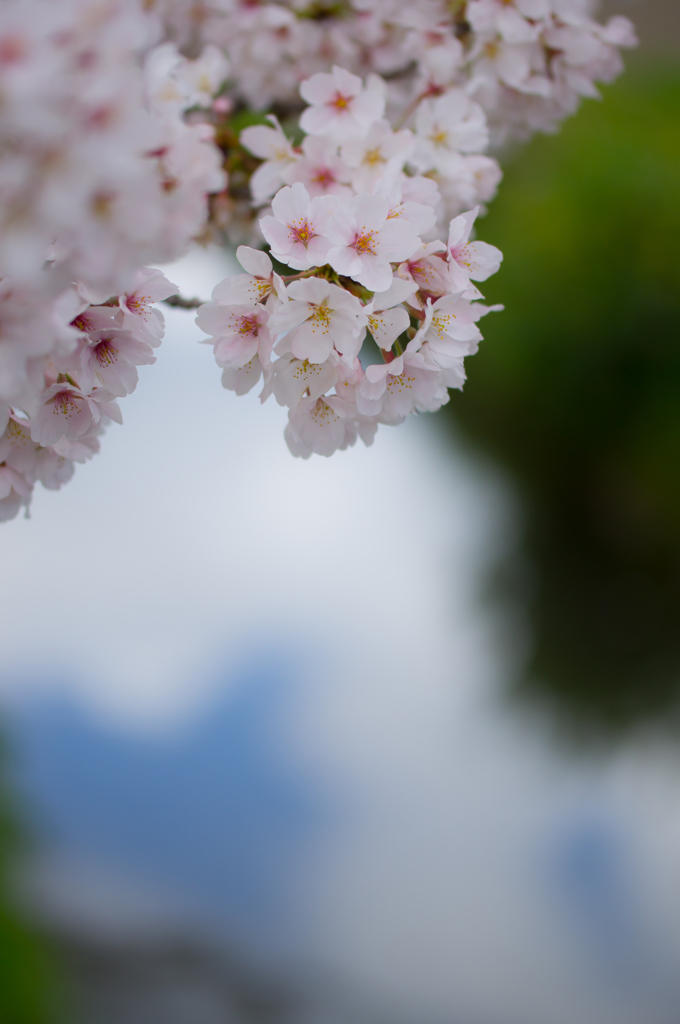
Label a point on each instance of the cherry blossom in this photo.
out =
(318, 425)
(450, 327)
(68, 412)
(294, 377)
(340, 104)
(316, 317)
(320, 169)
(394, 390)
(296, 231)
(364, 241)
(14, 491)
(242, 379)
(253, 286)
(470, 260)
(387, 318)
(122, 148)
(446, 127)
(428, 270)
(138, 314)
(420, 212)
(239, 333)
(273, 146)
(110, 359)
(369, 157)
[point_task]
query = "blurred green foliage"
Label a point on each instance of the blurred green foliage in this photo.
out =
(28, 989)
(576, 390)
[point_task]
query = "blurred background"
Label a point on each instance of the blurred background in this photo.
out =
(390, 737)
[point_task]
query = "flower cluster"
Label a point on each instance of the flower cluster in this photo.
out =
(527, 62)
(355, 226)
(119, 131)
(100, 174)
(94, 363)
(350, 146)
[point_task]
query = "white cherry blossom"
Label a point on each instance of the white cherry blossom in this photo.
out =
(469, 260)
(238, 332)
(274, 147)
(317, 317)
(296, 230)
(139, 316)
(320, 169)
(293, 377)
(364, 241)
(66, 411)
(370, 156)
(447, 127)
(340, 105)
(387, 318)
(318, 425)
(110, 359)
(254, 286)
(428, 270)
(396, 389)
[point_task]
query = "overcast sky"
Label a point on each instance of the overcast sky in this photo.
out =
(478, 871)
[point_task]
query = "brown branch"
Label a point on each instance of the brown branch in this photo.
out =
(180, 303)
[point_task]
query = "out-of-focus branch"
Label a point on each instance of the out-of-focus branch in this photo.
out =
(181, 303)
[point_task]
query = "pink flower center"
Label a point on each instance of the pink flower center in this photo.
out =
(248, 325)
(321, 317)
(301, 230)
(81, 323)
(105, 353)
(461, 254)
(340, 102)
(324, 177)
(137, 303)
(322, 414)
(65, 404)
(364, 243)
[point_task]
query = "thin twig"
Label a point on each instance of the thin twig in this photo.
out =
(181, 303)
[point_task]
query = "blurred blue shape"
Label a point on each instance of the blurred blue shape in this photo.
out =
(214, 812)
(598, 882)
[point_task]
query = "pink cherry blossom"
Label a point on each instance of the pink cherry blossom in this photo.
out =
(318, 425)
(320, 169)
(369, 157)
(317, 317)
(469, 260)
(446, 127)
(242, 379)
(394, 390)
(113, 167)
(254, 286)
(450, 327)
(66, 411)
(294, 377)
(365, 241)
(296, 231)
(340, 104)
(139, 316)
(387, 318)
(397, 189)
(111, 358)
(428, 270)
(238, 332)
(15, 491)
(277, 152)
